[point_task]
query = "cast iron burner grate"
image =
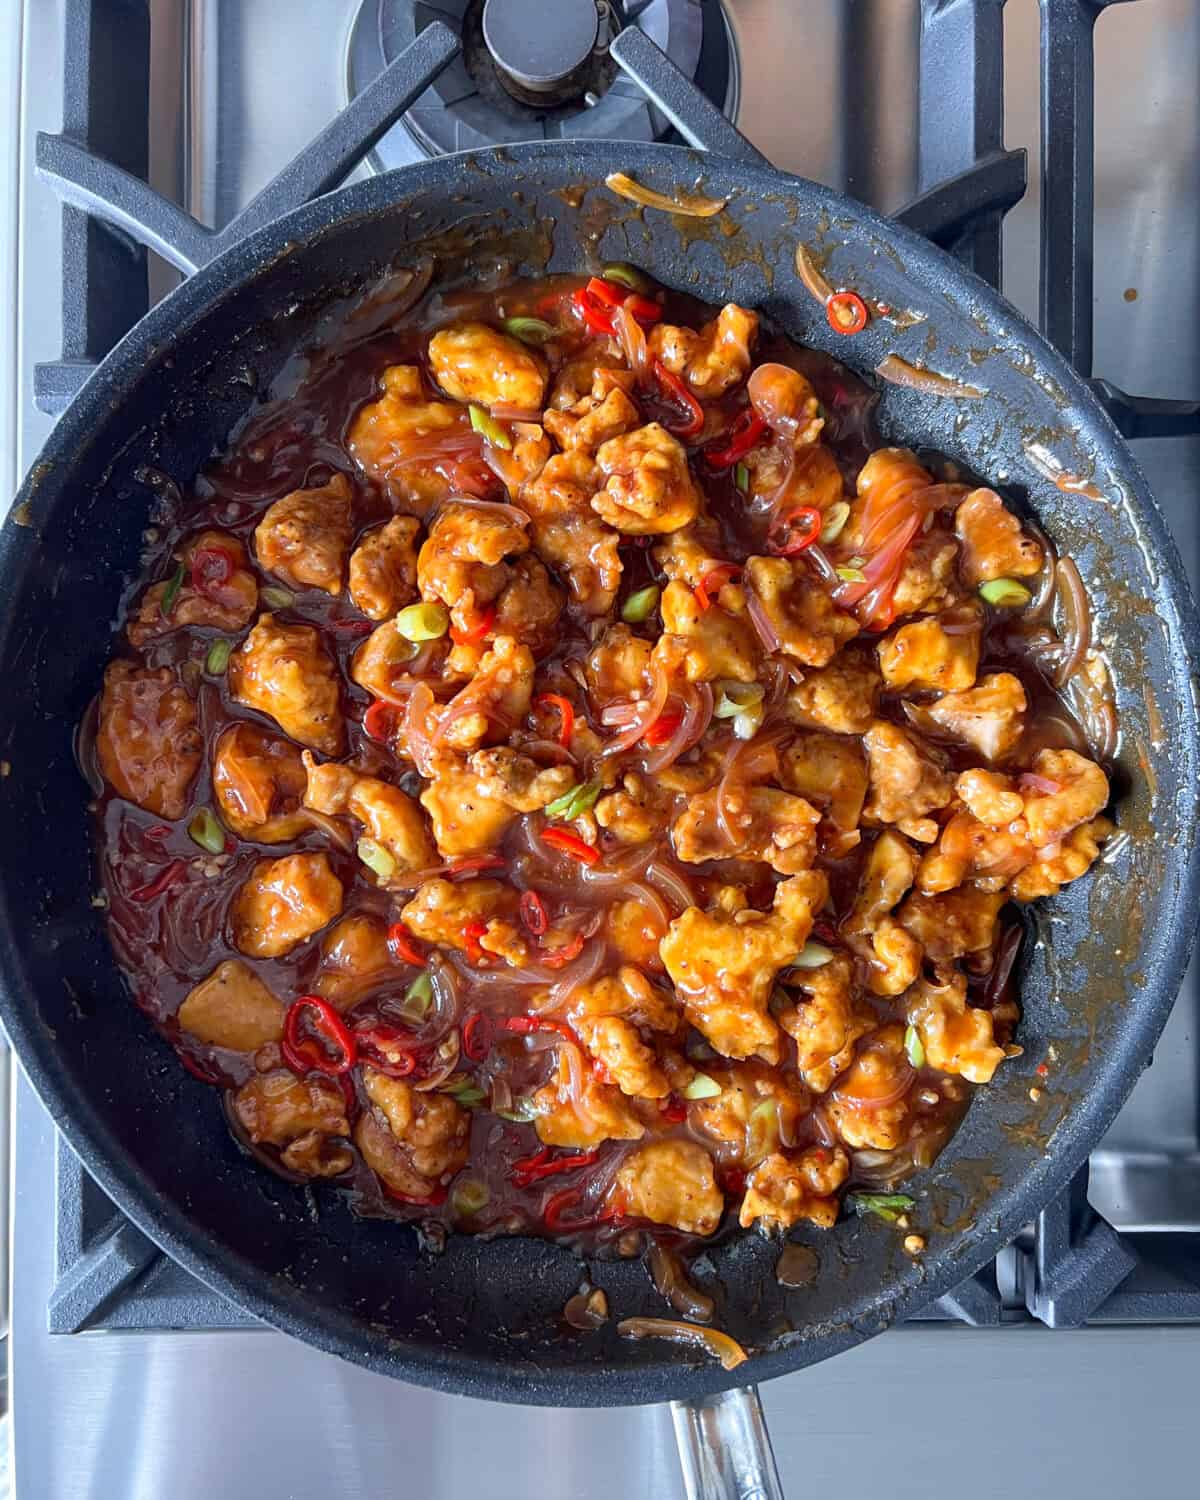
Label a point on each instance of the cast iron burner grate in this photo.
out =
(1070, 1267)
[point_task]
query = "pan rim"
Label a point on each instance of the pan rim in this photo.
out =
(278, 1302)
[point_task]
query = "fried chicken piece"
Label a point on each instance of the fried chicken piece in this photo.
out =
(467, 914)
(473, 362)
(993, 544)
(606, 411)
(147, 742)
(720, 638)
(385, 433)
(926, 656)
(218, 592)
(669, 1182)
(840, 697)
(258, 785)
(957, 1037)
(232, 1008)
(471, 805)
(989, 717)
(905, 780)
(827, 1023)
(576, 1110)
(783, 1190)
(304, 538)
(383, 568)
(412, 1141)
(953, 924)
(808, 623)
(567, 533)
(304, 1116)
(755, 1111)
(282, 903)
(355, 959)
(648, 488)
(712, 360)
(285, 672)
(878, 1073)
(464, 561)
(828, 771)
(766, 824)
(390, 817)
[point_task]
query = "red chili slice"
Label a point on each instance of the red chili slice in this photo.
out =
(570, 843)
(593, 314)
(847, 312)
(159, 831)
(564, 953)
(475, 1048)
(472, 933)
(530, 1169)
(524, 1025)
(171, 875)
(210, 568)
(792, 532)
(402, 947)
(473, 864)
(663, 728)
(714, 581)
(674, 1110)
(477, 631)
(674, 388)
(557, 1205)
(609, 294)
(308, 1054)
(606, 292)
(534, 914)
(379, 721)
(435, 1199)
(388, 1048)
(737, 442)
(566, 713)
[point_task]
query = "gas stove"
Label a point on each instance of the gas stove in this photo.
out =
(974, 122)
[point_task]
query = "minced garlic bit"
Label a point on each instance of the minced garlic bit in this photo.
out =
(914, 1243)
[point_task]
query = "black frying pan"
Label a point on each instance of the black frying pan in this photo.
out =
(483, 1319)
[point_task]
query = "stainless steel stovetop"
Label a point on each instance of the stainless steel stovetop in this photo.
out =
(829, 90)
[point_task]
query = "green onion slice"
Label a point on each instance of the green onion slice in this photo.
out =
(914, 1046)
(736, 698)
(529, 330)
(741, 477)
(522, 1111)
(207, 832)
(851, 575)
(641, 605)
(624, 274)
(376, 858)
(488, 428)
(747, 723)
(702, 1087)
(423, 622)
(171, 592)
(812, 956)
(1005, 593)
(218, 657)
(418, 997)
(574, 803)
(469, 1196)
(835, 520)
(887, 1206)
(277, 598)
(465, 1090)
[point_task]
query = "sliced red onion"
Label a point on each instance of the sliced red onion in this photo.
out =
(633, 342)
(652, 707)
(415, 735)
(494, 508)
(697, 715)
(672, 884)
(766, 632)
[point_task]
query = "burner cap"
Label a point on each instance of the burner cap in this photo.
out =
(537, 44)
(534, 70)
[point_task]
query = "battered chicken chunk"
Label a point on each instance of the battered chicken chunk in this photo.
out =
(383, 568)
(826, 1023)
(472, 362)
(691, 553)
(285, 672)
(957, 1037)
(720, 638)
(797, 609)
(381, 664)
(284, 902)
(636, 810)
(783, 1190)
(953, 924)
(463, 560)
(606, 411)
(894, 955)
(414, 1141)
(258, 785)
(355, 959)
(786, 400)
(648, 488)
(568, 534)
(387, 433)
(218, 591)
(147, 742)
(495, 699)
(989, 717)
(830, 772)
(606, 1016)
(927, 579)
(926, 655)
(232, 1008)
(723, 963)
(750, 822)
(472, 805)
(712, 360)
(304, 1116)
(840, 697)
(905, 780)
(669, 1182)
(993, 544)
(813, 477)
(754, 1112)
(1082, 792)
(390, 817)
(304, 537)
(869, 1108)
(529, 605)
(468, 915)
(576, 1110)
(1050, 871)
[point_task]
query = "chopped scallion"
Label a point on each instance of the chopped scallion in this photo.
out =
(747, 723)
(469, 1196)
(702, 1087)
(465, 1090)
(171, 592)
(812, 956)
(576, 802)
(276, 598)
(218, 657)
(741, 477)
(835, 520)
(736, 698)
(1005, 593)
(418, 997)
(488, 428)
(529, 330)
(641, 605)
(423, 622)
(851, 575)
(624, 274)
(887, 1206)
(914, 1046)
(207, 832)
(376, 858)
(522, 1111)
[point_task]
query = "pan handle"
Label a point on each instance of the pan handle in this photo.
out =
(98, 187)
(724, 1447)
(695, 117)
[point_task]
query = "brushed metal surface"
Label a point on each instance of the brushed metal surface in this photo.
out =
(1103, 1413)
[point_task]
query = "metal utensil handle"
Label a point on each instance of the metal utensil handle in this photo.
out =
(724, 1447)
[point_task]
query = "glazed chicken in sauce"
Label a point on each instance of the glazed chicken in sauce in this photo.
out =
(562, 775)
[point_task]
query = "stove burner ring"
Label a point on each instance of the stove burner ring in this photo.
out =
(542, 52)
